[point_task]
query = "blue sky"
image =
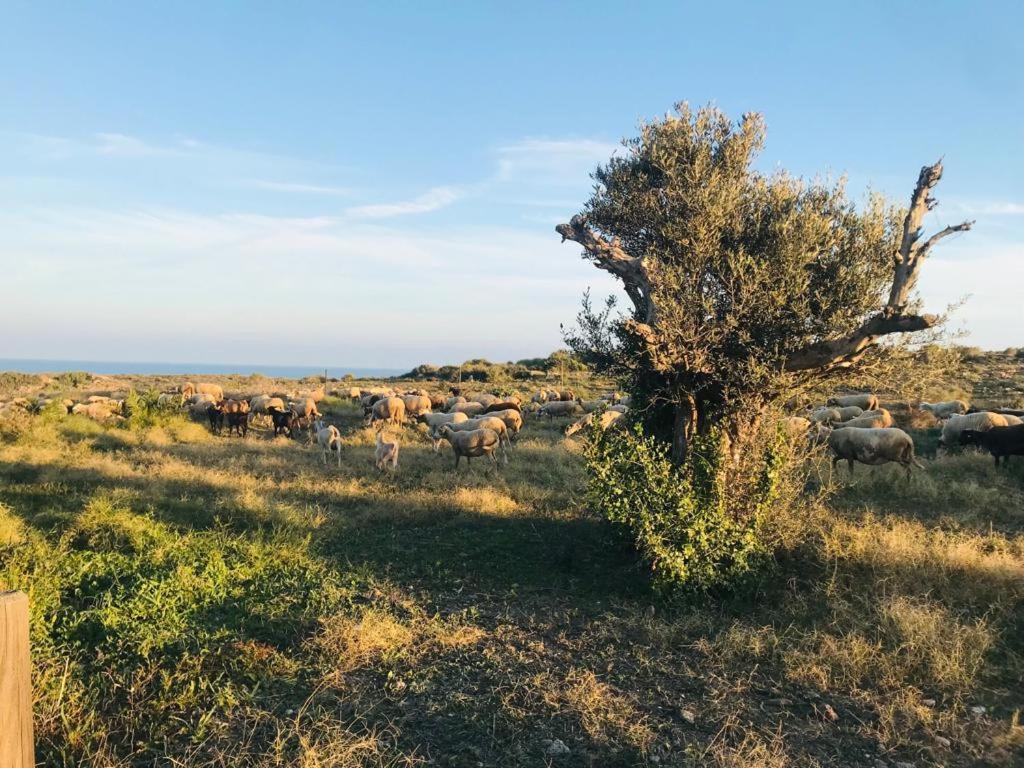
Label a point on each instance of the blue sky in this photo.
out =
(377, 184)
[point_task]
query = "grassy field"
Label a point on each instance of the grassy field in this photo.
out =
(203, 600)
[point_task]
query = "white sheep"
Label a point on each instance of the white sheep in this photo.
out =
(605, 420)
(470, 408)
(865, 401)
(490, 421)
(390, 410)
(416, 404)
(880, 419)
(329, 439)
(872, 447)
(981, 421)
(477, 442)
(946, 408)
(386, 452)
(560, 408)
(435, 420)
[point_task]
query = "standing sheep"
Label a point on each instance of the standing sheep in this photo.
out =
(865, 401)
(478, 442)
(386, 452)
(979, 422)
(390, 410)
(872, 447)
(946, 409)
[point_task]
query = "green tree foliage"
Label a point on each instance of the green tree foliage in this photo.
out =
(743, 286)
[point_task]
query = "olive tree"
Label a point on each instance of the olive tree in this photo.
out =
(742, 286)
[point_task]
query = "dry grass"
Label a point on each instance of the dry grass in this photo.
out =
(213, 601)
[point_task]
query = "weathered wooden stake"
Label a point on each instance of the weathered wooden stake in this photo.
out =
(16, 746)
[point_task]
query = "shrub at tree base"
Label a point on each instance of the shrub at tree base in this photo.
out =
(699, 531)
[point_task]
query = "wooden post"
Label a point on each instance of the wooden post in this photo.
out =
(16, 747)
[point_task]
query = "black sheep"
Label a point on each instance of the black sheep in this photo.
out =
(1001, 442)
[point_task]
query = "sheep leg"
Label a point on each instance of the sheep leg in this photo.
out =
(850, 464)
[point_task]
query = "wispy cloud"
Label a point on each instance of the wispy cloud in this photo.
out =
(130, 146)
(986, 207)
(298, 187)
(558, 161)
(431, 200)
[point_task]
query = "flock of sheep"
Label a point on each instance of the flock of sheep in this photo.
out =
(857, 429)
(474, 424)
(483, 424)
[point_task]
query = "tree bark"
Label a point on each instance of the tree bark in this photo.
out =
(684, 425)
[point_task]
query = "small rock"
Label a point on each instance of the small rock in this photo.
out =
(943, 742)
(827, 713)
(557, 748)
(289, 711)
(978, 710)
(928, 702)
(688, 716)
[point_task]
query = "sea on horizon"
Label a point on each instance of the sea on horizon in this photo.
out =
(113, 368)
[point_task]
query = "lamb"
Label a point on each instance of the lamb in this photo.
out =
(282, 419)
(559, 408)
(468, 408)
(946, 408)
(476, 442)
(880, 420)
(238, 422)
(981, 421)
(390, 410)
(865, 400)
(329, 439)
(416, 404)
(605, 420)
(215, 414)
(872, 447)
(386, 452)
(1001, 442)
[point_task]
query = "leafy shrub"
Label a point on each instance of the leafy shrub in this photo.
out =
(703, 525)
(143, 410)
(73, 379)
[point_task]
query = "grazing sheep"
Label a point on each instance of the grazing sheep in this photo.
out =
(468, 408)
(169, 398)
(512, 417)
(946, 408)
(880, 420)
(390, 410)
(416, 404)
(873, 447)
(484, 398)
(566, 395)
(453, 401)
(826, 415)
(619, 408)
(386, 452)
(198, 408)
(492, 423)
(796, 426)
(202, 388)
(236, 406)
(589, 406)
(94, 411)
(505, 405)
(435, 420)
(1011, 420)
(605, 420)
(981, 421)
(477, 442)
(329, 439)
(848, 412)
(437, 402)
(560, 408)
(304, 408)
(865, 401)
(1001, 442)
(283, 420)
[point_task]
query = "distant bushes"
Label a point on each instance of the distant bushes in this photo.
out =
(480, 369)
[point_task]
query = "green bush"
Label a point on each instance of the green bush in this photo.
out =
(702, 526)
(143, 410)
